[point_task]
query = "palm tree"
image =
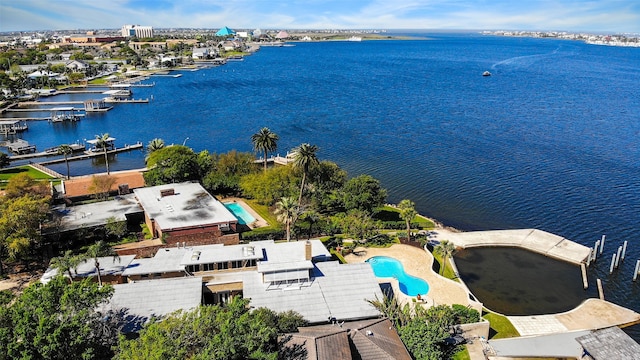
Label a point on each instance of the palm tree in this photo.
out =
(265, 140)
(66, 263)
(407, 213)
(155, 144)
(97, 250)
(445, 249)
(312, 217)
(287, 211)
(303, 157)
(65, 150)
(102, 143)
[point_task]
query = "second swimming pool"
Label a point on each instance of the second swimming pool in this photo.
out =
(384, 266)
(239, 212)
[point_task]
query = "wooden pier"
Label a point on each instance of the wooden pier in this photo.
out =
(49, 152)
(130, 101)
(92, 154)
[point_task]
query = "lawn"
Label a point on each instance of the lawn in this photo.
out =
(389, 213)
(6, 174)
(448, 271)
(501, 327)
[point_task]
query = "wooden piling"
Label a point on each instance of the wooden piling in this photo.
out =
(624, 249)
(602, 243)
(618, 256)
(600, 291)
(635, 274)
(613, 262)
(585, 281)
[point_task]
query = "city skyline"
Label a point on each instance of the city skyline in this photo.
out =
(618, 16)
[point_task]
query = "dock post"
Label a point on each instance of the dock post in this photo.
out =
(600, 291)
(635, 274)
(602, 243)
(585, 281)
(624, 249)
(613, 262)
(618, 256)
(589, 257)
(595, 250)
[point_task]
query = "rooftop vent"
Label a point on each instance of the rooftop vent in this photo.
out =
(195, 256)
(167, 192)
(249, 251)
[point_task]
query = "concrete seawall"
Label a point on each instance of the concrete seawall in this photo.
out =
(538, 241)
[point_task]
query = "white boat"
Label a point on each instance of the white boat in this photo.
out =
(486, 73)
(66, 113)
(354, 38)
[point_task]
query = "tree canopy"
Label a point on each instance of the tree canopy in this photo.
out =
(57, 321)
(230, 332)
(363, 193)
(176, 163)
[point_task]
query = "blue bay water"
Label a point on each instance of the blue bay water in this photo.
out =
(549, 141)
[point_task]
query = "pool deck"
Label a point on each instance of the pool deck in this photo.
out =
(539, 241)
(592, 314)
(259, 222)
(417, 262)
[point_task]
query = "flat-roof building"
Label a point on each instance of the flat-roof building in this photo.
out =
(186, 212)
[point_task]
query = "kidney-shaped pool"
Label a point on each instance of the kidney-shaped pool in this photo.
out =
(385, 267)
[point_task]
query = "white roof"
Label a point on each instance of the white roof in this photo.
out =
(190, 206)
(340, 291)
(165, 260)
(109, 265)
(63, 108)
(143, 300)
(95, 141)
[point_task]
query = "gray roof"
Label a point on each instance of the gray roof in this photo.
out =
(96, 214)
(610, 343)
(558, 345)
(165, 260)
(176, 258)
(109, 265)
(338, 291)
(190, 206)
(218, 253)
(143, 300)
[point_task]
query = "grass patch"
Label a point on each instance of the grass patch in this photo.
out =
(501, 327)
(389, 213)
(462, 354)
(263, 211)
(7, 174)
(448, 271)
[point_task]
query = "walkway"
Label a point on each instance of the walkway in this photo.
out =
(539, 241)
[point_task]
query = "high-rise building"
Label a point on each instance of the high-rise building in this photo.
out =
(137, 31)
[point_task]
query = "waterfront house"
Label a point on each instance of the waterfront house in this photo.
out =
(279, 276)
(186, 212)
(77, 66)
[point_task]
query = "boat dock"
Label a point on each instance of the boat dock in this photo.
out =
(130, 101)
(279, 160)
(49, 152)
(91, 154)
(20, 147)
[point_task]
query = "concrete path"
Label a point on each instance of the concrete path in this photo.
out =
(535, 240)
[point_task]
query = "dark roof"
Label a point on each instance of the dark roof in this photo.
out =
(609, 344)
(364, 339)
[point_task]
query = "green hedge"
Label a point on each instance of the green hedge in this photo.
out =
(263, 234)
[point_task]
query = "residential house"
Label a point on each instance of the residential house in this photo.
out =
(186, 212)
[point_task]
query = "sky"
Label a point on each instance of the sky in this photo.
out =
(595, 16)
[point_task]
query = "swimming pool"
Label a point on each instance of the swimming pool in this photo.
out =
(239, 212)
(384, 266)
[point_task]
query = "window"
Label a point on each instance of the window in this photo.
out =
(223, 266)
(193, 268)
(236, 264)
(208, 267)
